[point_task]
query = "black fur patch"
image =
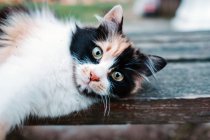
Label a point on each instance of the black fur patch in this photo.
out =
(83, 43)
(127, 64)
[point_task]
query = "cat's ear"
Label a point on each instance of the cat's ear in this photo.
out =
(152, 64)
(115, 16)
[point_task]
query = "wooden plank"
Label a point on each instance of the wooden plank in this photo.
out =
(179, 80)
(183, 95)
(178, 51)
(176, 47)
(138, 112)
(160, 37)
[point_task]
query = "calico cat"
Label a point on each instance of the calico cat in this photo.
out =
(50, 68)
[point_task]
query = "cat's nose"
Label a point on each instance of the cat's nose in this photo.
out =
(94, 77)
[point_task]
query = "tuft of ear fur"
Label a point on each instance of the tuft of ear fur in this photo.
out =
(114, 19)
(115, 14)
(152, 64)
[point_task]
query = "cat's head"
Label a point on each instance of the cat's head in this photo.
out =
(106, 62)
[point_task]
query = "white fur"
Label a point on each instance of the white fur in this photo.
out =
(37, 78)
(101, 87)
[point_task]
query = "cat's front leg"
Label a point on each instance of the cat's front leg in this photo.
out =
(12, 113)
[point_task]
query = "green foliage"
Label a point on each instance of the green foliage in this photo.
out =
(84, 13)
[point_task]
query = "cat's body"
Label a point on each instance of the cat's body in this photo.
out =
(42, 69)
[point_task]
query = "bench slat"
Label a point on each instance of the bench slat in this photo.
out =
(179, 80)
(175, 46)
(170, 37)
(180, 51)
(138, 112)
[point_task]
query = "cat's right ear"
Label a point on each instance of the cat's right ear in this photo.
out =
(114, 17)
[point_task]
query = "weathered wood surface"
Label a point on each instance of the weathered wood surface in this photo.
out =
(175, 46)
(137, 111)
(180, 94)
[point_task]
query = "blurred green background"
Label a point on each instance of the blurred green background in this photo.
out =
(82, 10)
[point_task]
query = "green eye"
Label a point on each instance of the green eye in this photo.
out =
(97, 53)
(117, 76)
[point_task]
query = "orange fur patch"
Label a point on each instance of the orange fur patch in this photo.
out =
(113, 47)
(138, 82)
(14, 34)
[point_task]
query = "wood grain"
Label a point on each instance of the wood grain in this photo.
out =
(138, 112)
(175, 46)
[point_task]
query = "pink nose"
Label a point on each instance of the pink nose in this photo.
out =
(94, 77)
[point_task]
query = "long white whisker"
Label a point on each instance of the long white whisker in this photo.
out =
(150, 67)
(145, 78)
(103, 102)
(106, 105)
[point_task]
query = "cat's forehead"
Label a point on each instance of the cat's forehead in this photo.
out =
(113, 46)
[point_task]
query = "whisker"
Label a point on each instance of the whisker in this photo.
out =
(145, 78)
(103, 102)
(106, 105)
(139, 74)
(149, 64)
(151, 67)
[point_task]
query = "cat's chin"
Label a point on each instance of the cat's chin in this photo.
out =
(88, 93)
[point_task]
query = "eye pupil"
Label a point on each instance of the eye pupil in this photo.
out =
(117, 75)
(97, 53)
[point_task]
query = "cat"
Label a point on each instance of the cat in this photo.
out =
(50, 68)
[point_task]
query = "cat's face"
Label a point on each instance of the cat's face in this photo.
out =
(106, 63)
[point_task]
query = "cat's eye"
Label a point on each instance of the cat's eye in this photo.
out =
(117, 76)
(97, 53)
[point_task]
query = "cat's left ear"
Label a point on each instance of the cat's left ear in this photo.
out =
(115, 16)
(152, 64)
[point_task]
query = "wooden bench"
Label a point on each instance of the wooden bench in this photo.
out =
(180, 94)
